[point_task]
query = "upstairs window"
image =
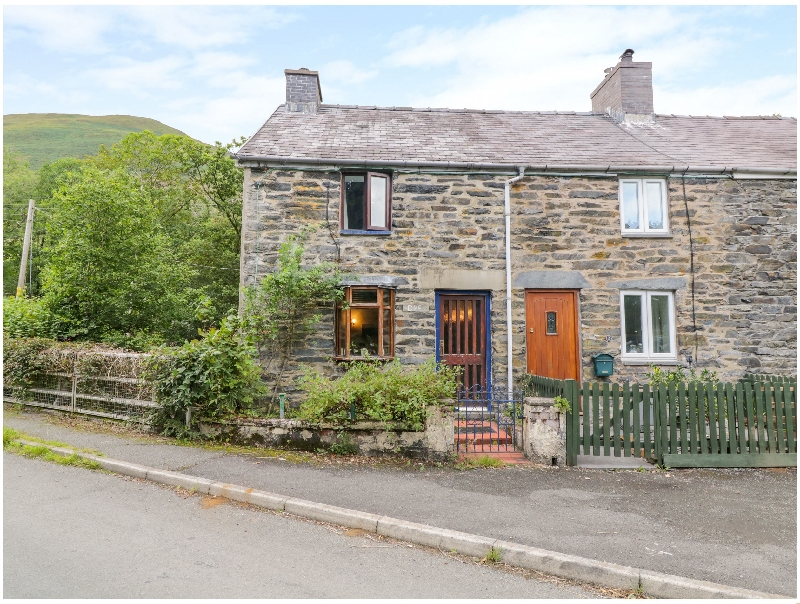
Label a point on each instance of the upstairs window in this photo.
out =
(648, 325)
(365, 323)
(366, 203)
(643, 206)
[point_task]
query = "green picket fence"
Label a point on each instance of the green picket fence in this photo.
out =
(748, 424)
(727, 425)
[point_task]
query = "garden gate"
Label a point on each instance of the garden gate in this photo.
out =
(488, 420)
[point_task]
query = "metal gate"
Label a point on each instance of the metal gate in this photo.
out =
(488, 421)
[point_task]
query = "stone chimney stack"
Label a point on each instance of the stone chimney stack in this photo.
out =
(626, 93)
(303, 92)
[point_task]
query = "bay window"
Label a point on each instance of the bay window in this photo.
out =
(365, 323)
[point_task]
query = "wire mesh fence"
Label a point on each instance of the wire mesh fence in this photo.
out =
(106, 384)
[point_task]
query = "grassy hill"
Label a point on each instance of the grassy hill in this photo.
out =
(45, 137)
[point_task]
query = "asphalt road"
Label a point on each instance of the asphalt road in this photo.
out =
(75, 533)
(736, 527)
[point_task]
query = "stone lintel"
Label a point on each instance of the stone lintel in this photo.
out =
(550, 280)
(467, 279)
(657, 283)
(379, 280)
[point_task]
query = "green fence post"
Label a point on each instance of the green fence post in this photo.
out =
(573, 421)
(281, 404)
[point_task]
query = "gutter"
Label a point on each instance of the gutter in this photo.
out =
(508, 183)
(601, 169)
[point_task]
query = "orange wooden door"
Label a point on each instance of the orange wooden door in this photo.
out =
(551, 328)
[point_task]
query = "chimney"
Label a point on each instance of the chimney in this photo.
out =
(303, 93)
(626, 93)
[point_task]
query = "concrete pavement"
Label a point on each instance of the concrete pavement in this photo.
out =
(732, 527)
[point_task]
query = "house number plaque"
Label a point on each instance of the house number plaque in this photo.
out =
(415, 307)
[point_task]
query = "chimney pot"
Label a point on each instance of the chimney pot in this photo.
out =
(627, 55)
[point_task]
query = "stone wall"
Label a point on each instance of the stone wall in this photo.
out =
(544, 432)
(371, 438)
(448, 232)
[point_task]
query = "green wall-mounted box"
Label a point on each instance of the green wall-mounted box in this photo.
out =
(603, 365)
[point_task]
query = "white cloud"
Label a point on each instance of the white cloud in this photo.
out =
(200, 27)
(64, 29)
(139, 77)
(240, 112)
(23, 86)
(346, 72)
(552, 58)
(763, 96)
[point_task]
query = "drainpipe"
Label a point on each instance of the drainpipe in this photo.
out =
(510, 383)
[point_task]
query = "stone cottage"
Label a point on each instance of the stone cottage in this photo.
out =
(509, 242)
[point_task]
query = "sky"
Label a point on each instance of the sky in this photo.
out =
(216, 72)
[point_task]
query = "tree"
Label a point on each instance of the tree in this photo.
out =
(111, 269)
(196, 190)
(19, 184)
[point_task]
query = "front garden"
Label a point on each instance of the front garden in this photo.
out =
(229, 381)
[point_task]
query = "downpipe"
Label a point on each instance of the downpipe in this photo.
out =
(510, 383)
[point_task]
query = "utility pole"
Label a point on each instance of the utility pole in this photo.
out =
(26, 245)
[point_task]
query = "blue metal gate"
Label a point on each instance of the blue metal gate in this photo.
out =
(488, 421)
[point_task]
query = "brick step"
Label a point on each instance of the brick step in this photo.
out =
(484, 439)
(481, 433)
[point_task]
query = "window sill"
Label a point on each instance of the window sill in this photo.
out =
(358, 232)
(642, 362)
(648, 235)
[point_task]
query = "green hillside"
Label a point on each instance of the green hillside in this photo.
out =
(45, 137)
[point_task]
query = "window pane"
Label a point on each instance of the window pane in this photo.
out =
(363, 331)
(387, 333)
(551, 323)
(632, 306)
(354, 202)
(341, 332)
(630, 205)
(365, 296)
(655, 209)
(377, 201)
(659, 307)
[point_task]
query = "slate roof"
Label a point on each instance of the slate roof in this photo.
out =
(392, 134)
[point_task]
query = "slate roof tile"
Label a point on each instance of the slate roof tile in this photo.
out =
(524, 138)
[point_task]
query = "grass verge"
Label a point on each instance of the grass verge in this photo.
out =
(470, 463)
(42, 451)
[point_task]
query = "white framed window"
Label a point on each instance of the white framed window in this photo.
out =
(643, 207)
(648, 325)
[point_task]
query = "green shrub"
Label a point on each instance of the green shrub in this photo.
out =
(562, 404)
(658, 376)
(392, 393)
(343, 445)
(23, 360)
(26, 318)
(216, 375)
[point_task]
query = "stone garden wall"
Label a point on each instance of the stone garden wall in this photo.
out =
(435, 443)
(448, 233)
